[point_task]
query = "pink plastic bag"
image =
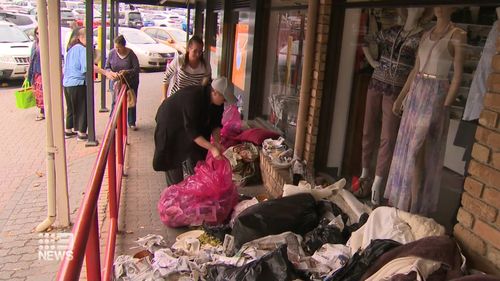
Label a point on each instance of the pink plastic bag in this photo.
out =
(231, 126)
(208, 196)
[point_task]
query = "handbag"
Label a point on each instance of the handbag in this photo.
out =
(131, 97)
(24, 97)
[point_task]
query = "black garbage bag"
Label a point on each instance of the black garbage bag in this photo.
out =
(322, 234)
(274, 266)
(295, 213)
(349, 229)
(362, 260)
(326, 206)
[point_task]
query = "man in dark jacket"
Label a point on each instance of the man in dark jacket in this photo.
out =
(184, 123)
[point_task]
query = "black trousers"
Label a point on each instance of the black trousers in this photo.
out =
(76, 108)
(175, 176)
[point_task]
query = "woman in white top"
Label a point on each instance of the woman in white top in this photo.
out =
(188, 69)
(415, 174)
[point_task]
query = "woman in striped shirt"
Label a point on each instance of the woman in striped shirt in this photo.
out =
(188, 69)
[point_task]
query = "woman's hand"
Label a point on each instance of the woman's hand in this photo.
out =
(215, 152)
(111, 75)
(397, 107)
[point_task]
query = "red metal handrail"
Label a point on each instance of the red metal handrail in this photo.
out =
(86, 228)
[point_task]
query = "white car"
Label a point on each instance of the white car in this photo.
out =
(15, 51)
(23, 22)
(173, 37)
(150, 53)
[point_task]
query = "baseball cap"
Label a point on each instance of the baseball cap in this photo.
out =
(226, 88)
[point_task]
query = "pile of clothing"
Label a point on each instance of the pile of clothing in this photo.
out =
(334, 239)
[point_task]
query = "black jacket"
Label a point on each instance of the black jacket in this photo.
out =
(180, 119)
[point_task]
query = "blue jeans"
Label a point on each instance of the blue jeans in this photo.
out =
(132, 111)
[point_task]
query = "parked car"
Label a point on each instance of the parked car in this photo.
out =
(151, 54)
(15, 51)
(130, 19)
(65, 34)
(169, 36)
(20, 20)
(67, 17)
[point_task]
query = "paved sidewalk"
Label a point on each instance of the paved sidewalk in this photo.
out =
(23, 199)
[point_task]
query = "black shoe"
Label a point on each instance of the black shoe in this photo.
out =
(68, 135)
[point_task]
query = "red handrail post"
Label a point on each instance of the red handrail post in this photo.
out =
(113, 210)
(92, 254)
(119, 138)
(125, 121)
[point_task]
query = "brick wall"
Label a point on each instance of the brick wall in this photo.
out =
(318, 74)
(478, 227)
(275, 178)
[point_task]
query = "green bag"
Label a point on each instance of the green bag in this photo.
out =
(24, 97)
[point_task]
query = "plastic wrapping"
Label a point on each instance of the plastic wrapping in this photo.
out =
(361, 261)
(323, 234)
(231, 126)
(208, 196)
(274, 266)
(295, 213)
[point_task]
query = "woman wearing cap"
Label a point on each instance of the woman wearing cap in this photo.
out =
(179, 144)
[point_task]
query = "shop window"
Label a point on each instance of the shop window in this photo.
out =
(431, 142)
(216, 44)
(284, 62)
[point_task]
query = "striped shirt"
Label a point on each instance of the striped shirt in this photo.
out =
(179, 76)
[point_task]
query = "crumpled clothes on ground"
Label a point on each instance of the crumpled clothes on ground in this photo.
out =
(152, 242)
(274, 266)
(127, 268)
(331, 257)
(318, 192)
(350, 206)
(387, 223)
(262, 246)
(441, 249)
(362, 260)
(242, 158)
(403, 266)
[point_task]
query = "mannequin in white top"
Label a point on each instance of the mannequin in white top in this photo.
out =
(414, 179)
(455, 47)
(397, 46)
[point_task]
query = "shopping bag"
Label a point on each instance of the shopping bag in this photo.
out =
(24, 97)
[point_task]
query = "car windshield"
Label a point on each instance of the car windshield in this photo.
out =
(16, 19)
(9, 34)
(66, 14)
(137, 37)
(179, 35)
(134, 16)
